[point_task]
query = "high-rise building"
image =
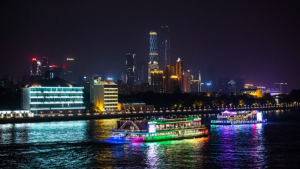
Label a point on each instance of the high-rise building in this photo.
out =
(174, 84)
(104, 94)
(152, 65)
(70, 70)
(130, 68)
(153, 47)
(179, 71)
(281, 87)
(195, 86)
(45, 65)
(170, 71)
(186, 81)
(157, 81)
(140, 73)
(35, 68)
(56, 71)
(164, 37)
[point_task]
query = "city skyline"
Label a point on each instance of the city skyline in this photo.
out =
(262, 49)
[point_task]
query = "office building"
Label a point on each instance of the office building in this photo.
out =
(52, 95)
(56, 71)
(140, 73)
(281, 87)
(152, 65)
(186, 81)
(179, 71)
(157, 81)
(104, 94)
(70, 76)
(131, 70)
(195, 86)
(35, 68)
(153, 47)
(170, 71)
(165, 52)
(45, 65)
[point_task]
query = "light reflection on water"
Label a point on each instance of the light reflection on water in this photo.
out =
(79, 144)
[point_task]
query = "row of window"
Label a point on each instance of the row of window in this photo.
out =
(56, 89)
(55, 94)
(56, 100)
(55, 105)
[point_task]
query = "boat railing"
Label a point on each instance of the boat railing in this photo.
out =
(126, 130)
(179, 128)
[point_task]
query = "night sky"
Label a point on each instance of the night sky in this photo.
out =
(254, 39)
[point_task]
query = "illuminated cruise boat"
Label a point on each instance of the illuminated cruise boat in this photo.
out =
(144, 130)
(241, 117)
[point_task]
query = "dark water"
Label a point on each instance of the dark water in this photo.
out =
(77, 144)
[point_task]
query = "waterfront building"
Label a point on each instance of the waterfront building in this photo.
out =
(134, 105)
(157, 81)
(153, 47)
(252, 92)
(152, 65)
(249, 86)
(130, 68)
(52, 95)
(104, 94)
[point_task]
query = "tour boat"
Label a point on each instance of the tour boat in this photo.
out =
(241, 117)
(145, 129)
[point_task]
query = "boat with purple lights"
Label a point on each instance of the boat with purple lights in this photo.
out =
(145, 129)
(240, 117)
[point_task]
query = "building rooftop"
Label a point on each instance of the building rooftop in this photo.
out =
(55, 82)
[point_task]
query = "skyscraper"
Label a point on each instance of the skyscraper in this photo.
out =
(130, 68)
(179, 71)
(153, 47)
(170, 71)
(45, 65)
(140, 73)
(186, 81)
(152, 65)
(35, 68)
(157, 81)
(164, 37)
(70, 70)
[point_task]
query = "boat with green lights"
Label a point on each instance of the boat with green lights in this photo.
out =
(147, 130)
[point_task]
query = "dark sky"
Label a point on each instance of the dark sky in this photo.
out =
(255, 39)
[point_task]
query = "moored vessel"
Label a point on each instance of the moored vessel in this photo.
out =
(241, 117)
(145, 129)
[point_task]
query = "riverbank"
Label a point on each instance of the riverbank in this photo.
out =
(71, 117)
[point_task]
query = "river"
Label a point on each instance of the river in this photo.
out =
(79, 144)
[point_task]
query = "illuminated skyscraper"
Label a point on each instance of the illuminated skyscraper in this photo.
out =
(70, 70)
(130, 69)
(35, 68)
(157, 81)
(179, 70)
(164, 37)
(170, 71)
(152, 65)
(153, 47)
(186, 81)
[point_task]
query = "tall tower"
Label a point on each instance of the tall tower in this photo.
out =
(179, 71)
(36, 67)
(153, 46)
(199, 90)
(130, 68)
(45, 65)
(70, 69)
(164, 37)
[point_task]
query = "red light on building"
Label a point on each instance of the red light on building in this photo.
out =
(64, 67)
(33, 59)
